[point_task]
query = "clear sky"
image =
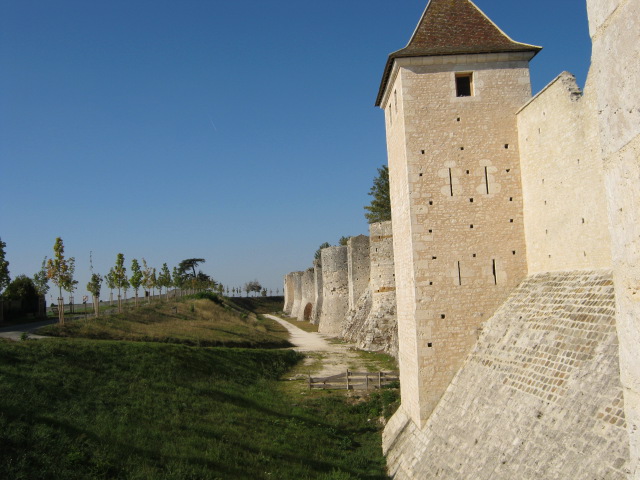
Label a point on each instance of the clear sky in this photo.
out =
(242, 131)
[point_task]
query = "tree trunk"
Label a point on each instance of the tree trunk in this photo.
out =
(61, 310)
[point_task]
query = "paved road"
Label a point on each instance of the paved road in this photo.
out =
(14, 332)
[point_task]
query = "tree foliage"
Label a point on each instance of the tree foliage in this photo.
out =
(318, 253)
(94, 285)
(21, 288)
(252, 286)
(344, 240)
(4, 268)
(190, 264)
(164, 278)
(40, 279)
(380, 208)
(60, 272)
(136, 276)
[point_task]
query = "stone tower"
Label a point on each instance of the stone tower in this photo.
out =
(450, 98)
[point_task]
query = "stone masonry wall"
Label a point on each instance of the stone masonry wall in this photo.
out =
(539, 397)
(359, 266)
(335, 290)
(382, 323)
(456, 199)
(288, 293)
(305, 312)
(317, 287)
(615, 66)
(373, 325)
(296, 278)
(565, 217)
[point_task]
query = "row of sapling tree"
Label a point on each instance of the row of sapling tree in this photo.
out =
(60, 271)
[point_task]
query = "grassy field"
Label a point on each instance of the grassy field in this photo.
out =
(77, 408)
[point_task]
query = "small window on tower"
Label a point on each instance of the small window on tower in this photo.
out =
(464, 84)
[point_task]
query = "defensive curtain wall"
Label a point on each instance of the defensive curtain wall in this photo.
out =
(615, 32)
(540, 394)
(296, 280)
(305, 311)
(491, 189)
(317, 288)
(360, 274)
(335, 289)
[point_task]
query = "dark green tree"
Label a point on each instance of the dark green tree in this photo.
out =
(380, 208)
(136, 278)
(4, 268)
(320, 248)
(344, 240)
(22, 289)
(190, 264)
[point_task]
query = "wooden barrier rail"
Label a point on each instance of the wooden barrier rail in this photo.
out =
(354, 380)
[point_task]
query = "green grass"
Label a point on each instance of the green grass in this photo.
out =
(192, 321)
(260, 305)
(86, 409)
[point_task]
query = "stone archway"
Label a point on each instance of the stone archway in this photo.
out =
(308, 310)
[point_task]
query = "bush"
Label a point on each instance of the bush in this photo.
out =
(206, 296)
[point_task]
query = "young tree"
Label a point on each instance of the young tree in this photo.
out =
(147, 271)
(136, 278)
(179, 280)
(40, 279)
(164, 280)
(120, 277)
(153, 281)
(60, 272)
(126, 285)
(93, 287)
(111, 283)
(5, 279)
(72, 284)
(380, 208)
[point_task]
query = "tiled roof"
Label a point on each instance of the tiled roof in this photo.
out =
(454, 27)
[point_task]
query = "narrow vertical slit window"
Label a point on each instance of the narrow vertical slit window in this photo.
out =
(450, 183)
(464, 84)
(495, 277)
(459, 275)
(486, 179)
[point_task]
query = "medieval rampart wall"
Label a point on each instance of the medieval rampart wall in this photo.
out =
(288, 293)
(565, 217)
(335, 290)
(317, 289)
(358, 266)
(305, 311)
(539, 397)
(615, 32)
(296, 279)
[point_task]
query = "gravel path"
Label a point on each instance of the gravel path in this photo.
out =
(335, 357)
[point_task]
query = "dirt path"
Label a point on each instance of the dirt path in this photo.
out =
(324, 357)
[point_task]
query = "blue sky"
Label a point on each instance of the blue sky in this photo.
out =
(242, 132)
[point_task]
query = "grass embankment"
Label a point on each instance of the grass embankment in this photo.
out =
(260, 304)
(191, 321)
(94, 409)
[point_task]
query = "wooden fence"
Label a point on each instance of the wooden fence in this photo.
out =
(355, 380)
